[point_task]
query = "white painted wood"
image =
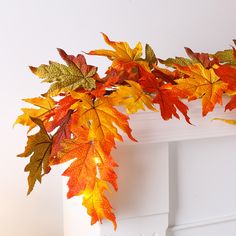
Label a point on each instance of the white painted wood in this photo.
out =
(149, 127)
(213, 226)
(141, 204)
(153, 225)
(75, 217)
(143, 180)
(202, 192)
(142, 199)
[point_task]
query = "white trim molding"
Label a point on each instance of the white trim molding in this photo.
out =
(149, 127)
(203, 223)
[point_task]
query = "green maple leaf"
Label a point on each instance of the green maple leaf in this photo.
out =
(226, 57)
(38, 148)
(177, 60)
(66, 78)
(150, 56)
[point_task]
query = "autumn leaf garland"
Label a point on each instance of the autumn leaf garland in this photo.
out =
(79, 120)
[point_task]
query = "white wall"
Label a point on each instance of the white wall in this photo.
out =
(31, 30)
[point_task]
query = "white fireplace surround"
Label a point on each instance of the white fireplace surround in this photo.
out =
(178, 180)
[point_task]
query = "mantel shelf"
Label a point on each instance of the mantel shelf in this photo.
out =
(149, 127)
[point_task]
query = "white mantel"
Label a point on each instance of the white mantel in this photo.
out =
(178, 180)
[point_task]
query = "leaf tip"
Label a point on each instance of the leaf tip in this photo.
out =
(33, 69)
(62, 53)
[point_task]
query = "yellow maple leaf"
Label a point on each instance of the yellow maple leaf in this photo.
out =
(132, 97)
(45, 106)
(230, 122)
(122, 53)
(98, 206)
(100, 117)
(201, 83)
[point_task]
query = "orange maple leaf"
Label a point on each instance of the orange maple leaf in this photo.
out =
(100, 117)
(92, 164)
(132, 97)
(87, 154)
(231, 104)
(201, 83)
(45, 106)
(168, 97)
(227, 73)
(98, 206)
(59, 112)
(122, 53)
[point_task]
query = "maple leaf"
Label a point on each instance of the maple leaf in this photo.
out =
(98, 206)
(45, 106)
(201, 83)
(83, 169)
(106, 169)
(171, 62)
(77, 74)
(127, 71)
(226, 57)
(203, 58)
(63, 132)
(59, 112)
(230, 122)
(165, 75)
(39, 149)
(102, 88)
(166, 95)
(87, 154)
(132, 97)
(231, 104)
(150, 56)
(122, 53)
(168, 99)
(100, 117)
(227, 73)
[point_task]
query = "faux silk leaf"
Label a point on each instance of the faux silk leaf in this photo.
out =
(226, 57)
(227, 73)
(45, 106)
(90, 157)
(98, 206)
(231, 105)
(171, 62)
(165, 75)
(201, 83)
(150, 56)
(82, 170)
(100, 117)
(87, 154)
(168, 97)
(38, 149)
(63, 132)
(203, 58)
(77, 74)
(122, 53)
(132, 97)
(230, 122)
